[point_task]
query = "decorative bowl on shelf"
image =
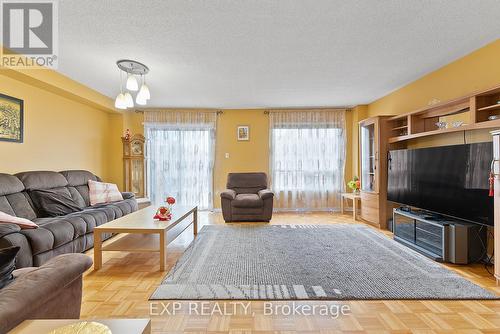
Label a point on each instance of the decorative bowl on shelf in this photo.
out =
(441, 125)
(457, 124)
(493, 117)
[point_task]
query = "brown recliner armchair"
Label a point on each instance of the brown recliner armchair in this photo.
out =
(247, 198)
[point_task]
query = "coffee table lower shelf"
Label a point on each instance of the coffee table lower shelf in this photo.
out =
(142, 234)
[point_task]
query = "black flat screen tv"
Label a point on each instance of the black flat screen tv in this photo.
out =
(450, 180)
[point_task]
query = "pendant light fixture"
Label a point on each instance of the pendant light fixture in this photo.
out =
(133, 69)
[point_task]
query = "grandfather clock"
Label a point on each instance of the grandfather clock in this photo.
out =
(134, 164)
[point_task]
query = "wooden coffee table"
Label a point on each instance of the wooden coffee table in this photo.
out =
(143, 233)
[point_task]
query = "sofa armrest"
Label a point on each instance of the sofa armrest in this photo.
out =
(128, 195)
(265, 194)
(229, 194)
(6, 229)
(29, 294)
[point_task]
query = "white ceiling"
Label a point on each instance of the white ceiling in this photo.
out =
(269, 53)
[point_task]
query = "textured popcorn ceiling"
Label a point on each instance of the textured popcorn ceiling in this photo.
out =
(274, 53)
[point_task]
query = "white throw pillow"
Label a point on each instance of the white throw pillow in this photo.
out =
(101, 192)
(21, 222)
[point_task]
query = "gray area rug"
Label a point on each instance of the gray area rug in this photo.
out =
(314, 262)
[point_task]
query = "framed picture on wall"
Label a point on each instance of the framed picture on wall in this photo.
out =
(243, 133)
(11, 119)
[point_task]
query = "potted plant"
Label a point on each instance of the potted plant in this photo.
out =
(354, 184)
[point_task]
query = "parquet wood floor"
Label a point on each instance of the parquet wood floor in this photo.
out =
(122, 287)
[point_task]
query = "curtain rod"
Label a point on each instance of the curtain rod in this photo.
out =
(204, 111)
(268, 111)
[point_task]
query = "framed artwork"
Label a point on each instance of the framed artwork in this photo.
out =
(11, 119)
(243, 133)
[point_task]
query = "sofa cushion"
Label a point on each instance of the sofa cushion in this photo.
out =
(51, 233)
(54, 202)
(247, 201)
(10, 185)
(42, 180)
(124, 207)
(96, 216)
(78, 177)
(18, 204)
(13, 199)
(78, 184)
(57, 231)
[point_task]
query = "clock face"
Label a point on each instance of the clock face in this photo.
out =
(136, 148)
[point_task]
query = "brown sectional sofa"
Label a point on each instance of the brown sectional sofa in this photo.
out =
(72, 233)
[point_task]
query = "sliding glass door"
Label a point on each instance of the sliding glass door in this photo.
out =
(180, 162)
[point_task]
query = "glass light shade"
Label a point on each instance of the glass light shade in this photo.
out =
(129, 101)
(132, 84)
(140, 100)
(144, 92)
(120, 101)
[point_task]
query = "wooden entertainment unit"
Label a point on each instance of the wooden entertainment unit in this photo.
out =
(475, 111)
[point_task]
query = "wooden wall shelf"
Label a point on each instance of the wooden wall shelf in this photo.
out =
(473, 110)
(476, 126)
(492, 107)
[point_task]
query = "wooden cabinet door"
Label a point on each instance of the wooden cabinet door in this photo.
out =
(369, 155)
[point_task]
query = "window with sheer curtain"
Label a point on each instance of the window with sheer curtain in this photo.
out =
(307, 158)
(181, 153)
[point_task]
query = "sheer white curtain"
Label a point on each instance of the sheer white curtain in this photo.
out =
(181, 154)
(307, 158)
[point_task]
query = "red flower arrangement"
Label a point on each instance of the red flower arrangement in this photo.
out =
(165, 213)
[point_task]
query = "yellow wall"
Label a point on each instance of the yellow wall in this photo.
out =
(244, 156)
(478, 70)
(61, 130)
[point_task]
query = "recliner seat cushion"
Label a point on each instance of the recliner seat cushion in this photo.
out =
(247, 201)
(54, 232)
